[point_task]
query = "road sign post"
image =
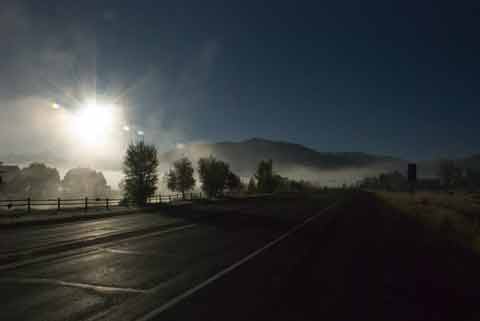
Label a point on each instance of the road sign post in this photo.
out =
(412, 177)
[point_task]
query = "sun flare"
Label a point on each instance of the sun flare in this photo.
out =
(92, 123)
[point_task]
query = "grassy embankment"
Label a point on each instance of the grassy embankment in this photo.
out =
(456, 216)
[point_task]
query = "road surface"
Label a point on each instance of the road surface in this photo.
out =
(352, 261)
(15, 241)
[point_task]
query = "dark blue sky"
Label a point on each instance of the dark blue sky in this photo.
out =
(388, 77)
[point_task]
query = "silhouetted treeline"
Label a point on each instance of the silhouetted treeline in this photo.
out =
(84, 181)
(449, 176)
(454, 176)
(39, 181)
(216, 179)
(393, 181)
(265, 180)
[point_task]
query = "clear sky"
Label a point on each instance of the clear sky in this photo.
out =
(387, 77)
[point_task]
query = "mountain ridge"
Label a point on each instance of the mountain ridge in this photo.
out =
(244, 155)
(299, 161)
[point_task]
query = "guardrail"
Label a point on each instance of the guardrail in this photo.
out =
(86, 203)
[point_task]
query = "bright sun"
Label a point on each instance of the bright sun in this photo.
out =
(92, 123)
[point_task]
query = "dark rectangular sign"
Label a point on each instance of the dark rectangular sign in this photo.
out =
(412, 172)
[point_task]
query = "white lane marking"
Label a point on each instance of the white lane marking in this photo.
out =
(154, 313)
(101, 288)
(89, 249)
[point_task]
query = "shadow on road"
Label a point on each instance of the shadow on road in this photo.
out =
(369, 263)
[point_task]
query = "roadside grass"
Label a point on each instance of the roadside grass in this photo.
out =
(455, 216)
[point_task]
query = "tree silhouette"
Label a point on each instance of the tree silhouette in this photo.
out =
(449, 173)
(265, 177)
(233, 183)
(213, 174)
(180, 177)
(140, 169)
(85, 182)
(36, 181)
(172, 180)
(252, 187)
(280, 183)
(472, 178)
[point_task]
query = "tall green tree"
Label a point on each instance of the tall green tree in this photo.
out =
(180, 177)
(140, 169)
(171, 180)
(234, 183)
(213, 175)
(266, 182)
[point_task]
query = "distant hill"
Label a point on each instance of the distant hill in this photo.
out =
(291, 160)
(287, 157)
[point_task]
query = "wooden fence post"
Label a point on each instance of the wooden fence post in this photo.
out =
(29, 205)
(106, 203)
(86, 203)
(59, 202)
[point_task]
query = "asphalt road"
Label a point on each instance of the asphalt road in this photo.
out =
(355, 261)
(363, 261)
(167, 254)
(29, 240)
